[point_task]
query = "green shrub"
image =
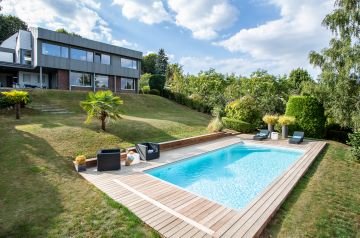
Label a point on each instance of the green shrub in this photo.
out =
(354, 142)
(215, 125)
(157, 82)
(5, 102)
(145, 89)
(154, 92)
(237, 125)
(244, 109)
(309, 115)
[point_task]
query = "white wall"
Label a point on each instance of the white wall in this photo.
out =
(34, 79)
(10, 42)
(7, 57)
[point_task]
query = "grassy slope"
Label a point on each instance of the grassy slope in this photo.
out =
(42, 195)
(326, 202)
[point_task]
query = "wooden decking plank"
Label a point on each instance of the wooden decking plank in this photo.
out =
(207, 212)
(183, 231)
(173, 230)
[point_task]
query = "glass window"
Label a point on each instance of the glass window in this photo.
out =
(25, 57)
(50, 49)
(78, 54)
(127, 84)
(27, 78)
(7, 57)
(101, 81)
(90, 56)
(105, 59)
(55, 50)
(128, 63)
(64, 52)
(97, 58)
(80, 79)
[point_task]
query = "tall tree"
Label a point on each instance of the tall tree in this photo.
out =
(9, 25)
(340, 64)
(148, 63)
(162, 62)
(297, 79)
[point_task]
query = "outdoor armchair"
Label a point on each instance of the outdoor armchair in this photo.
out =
(148, 150)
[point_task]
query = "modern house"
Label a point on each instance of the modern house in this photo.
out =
(41, 58)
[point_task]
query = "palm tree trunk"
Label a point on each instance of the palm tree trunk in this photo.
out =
(17, 110)
(103, 124)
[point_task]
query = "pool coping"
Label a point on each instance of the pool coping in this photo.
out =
(190, 215)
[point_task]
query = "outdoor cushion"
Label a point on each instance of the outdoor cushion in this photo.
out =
(297, 137)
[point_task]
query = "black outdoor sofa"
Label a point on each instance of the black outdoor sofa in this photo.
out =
(148, 150)
(108, 159)
(297, 137)
(262, 135)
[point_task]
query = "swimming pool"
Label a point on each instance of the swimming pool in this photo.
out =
(231, 176)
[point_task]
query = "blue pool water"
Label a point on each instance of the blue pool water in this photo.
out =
(231, 176)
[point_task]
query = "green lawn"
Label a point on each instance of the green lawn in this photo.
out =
(40, 193)
(326, 202)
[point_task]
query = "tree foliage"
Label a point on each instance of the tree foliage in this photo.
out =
(102, 105)
(340, 64)
(148, 64)
(244, 109)
(62, 30)
(297, 80)
(9, 25)
(17, 98)
(162, 62)
(157, 81)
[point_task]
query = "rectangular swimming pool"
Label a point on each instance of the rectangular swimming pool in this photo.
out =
(231, 176)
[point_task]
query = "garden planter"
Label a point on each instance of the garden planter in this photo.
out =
(80, 167)
(270, 128)
(285, 131)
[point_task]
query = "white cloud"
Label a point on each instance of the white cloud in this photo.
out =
(205, 18)
(79, 16)
(124, 43)
(287, 40)
(149, 12)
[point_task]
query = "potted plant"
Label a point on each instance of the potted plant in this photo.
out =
(270, 120)
(285, 121)
(80, 163)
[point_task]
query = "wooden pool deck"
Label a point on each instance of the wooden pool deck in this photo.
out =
(175, 212)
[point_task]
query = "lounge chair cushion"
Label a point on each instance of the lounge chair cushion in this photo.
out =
(263, 134)
(297, 137)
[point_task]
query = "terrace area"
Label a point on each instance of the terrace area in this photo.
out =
(175, 212)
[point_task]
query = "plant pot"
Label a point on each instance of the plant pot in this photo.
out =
(80, 167)
(284, 131)
(270, 128)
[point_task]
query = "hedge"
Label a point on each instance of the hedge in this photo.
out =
(309, 114)
(237, 125)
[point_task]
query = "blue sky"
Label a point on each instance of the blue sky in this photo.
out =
(230, 36)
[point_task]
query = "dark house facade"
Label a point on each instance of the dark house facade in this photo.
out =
(41, 58)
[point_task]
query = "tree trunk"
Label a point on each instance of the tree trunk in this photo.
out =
(17, 110)
(103, 124)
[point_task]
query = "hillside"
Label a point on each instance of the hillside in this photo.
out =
(42, 195)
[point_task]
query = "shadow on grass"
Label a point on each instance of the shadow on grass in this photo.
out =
(29, 201)
(275, 224)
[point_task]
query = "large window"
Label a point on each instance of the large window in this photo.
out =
(25, 57)
(80, 79)
(105, 59)
(128, 63)
(83, 55)
(101, 81)
(127, 84)
(55, 50)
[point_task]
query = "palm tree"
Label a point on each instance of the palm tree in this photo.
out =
(16, 98)
(102, 105)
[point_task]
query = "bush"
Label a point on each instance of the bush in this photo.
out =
(157, 82)
(309, 115)
(215, 125)
(337, 133)
(270, 119)
(237, 125)
(154, 91)
(5, 102)
(145, 89)
(244, 109)
(286, 120)
(354, 142)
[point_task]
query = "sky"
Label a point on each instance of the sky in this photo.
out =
(231, 36)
